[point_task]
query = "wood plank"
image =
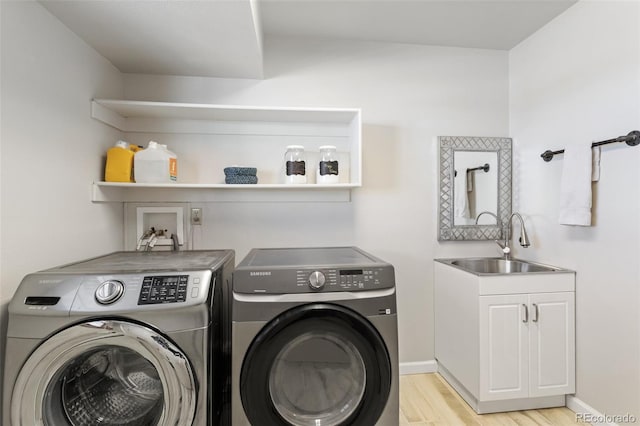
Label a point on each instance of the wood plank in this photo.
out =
(427, 399)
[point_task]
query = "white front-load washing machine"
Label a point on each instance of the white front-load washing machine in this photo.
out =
(130, 338)
(314, 339)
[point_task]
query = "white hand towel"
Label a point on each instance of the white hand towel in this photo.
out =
(595, 164)
(470, 181)
(575, 187)
(461, 197)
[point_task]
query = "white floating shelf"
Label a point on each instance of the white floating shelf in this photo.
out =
(200, 192)
(142, 116)
(209, 137)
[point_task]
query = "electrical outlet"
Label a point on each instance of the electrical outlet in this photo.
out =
(196, 216)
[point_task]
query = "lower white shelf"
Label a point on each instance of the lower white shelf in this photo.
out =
(200, 192)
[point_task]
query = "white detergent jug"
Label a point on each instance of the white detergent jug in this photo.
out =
(155, 164)
(173, 163)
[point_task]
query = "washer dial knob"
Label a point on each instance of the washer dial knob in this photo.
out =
(316, 280)
(109, 292)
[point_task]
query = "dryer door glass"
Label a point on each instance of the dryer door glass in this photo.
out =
(317, 374)
(105, 373)
(316, 365)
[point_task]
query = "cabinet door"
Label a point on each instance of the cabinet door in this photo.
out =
(552, 340)
(504, 347)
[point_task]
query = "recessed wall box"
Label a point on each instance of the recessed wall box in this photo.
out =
(169, 218)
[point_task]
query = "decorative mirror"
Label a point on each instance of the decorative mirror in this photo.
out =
(475, 187)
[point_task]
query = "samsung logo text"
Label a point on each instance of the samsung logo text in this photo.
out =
(49, 281)
(260, 274)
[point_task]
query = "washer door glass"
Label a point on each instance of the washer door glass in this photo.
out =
(316, 365)
(110, 384)
(105, 373)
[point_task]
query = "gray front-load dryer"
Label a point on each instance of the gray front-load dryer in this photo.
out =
(130, 338)
(314, 339)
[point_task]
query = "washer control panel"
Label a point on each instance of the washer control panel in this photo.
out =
(102, 293)
(163, 289)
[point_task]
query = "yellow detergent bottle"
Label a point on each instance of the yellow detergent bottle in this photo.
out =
(119, 166)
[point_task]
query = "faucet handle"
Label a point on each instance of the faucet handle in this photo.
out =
(506, 250)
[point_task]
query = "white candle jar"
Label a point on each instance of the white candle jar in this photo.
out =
(328, 171)
(295, 166)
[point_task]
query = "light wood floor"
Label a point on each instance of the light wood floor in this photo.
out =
(427, 399)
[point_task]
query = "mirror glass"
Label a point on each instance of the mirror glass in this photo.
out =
(475, 187)
(475, 177)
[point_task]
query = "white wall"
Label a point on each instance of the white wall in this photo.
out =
(51, 149)
(577, 80)
(409, 95)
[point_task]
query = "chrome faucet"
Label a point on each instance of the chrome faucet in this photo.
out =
(524, 238)
(498, 222)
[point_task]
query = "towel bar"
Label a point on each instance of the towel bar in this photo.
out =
(484, 168)
(632, 139)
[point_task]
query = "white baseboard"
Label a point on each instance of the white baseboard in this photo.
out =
(419, 367)
(587, 414)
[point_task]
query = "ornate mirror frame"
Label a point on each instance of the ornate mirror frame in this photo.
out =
(447, 231)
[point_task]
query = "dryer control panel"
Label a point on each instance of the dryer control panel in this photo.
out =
(311, 270)
(309, 280)
(360, 278)
(340, 279)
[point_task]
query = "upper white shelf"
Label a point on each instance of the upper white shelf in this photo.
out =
(143, 116)
(209, 137)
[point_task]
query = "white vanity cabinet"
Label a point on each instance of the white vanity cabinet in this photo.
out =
(506, 341)
(526, 345)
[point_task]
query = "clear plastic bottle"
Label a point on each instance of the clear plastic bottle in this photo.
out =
(154, 165)
(173, 163)
(328, 172)
(295, 167)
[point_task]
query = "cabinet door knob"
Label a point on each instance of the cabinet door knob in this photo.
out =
(526, 313)
(535, 312)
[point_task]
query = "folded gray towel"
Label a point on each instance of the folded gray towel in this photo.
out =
(240, 171)
(241, 179)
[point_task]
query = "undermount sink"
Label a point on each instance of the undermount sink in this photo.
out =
(500, 266)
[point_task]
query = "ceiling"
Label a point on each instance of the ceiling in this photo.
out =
(224, 38)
